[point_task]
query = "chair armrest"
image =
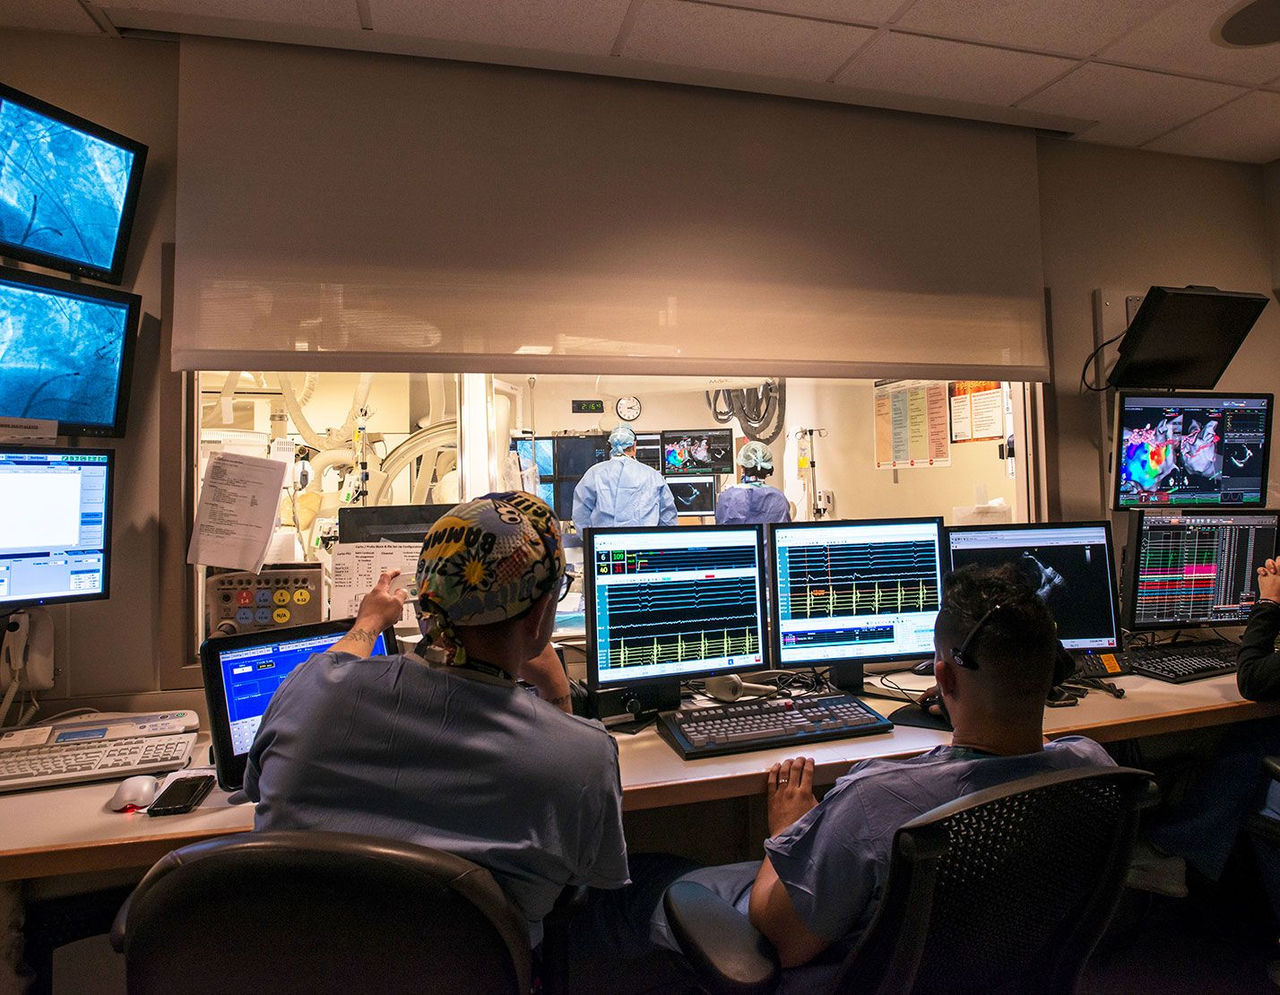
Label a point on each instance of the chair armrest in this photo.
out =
(118, 926)
(1272, 766)
(719, 942)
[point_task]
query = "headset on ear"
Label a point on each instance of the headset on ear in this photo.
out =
(962, 655)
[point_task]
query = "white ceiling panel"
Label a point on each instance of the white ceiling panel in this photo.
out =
(312, 13)
(1079, 28)
(849, 11)
(1179, 40)
(47, 15)
(1246, 130)
(547, 25)
(741, 41)
(955, 70)
(1131, 106)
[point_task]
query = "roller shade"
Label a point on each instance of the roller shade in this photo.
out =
(343, 210)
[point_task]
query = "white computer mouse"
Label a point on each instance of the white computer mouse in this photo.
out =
(134, 793)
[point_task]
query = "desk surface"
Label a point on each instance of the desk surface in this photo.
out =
(71, 830)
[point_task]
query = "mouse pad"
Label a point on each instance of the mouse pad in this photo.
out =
(910, 715)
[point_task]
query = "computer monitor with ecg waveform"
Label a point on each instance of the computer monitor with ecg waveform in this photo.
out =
(854, 591)
(669, 604)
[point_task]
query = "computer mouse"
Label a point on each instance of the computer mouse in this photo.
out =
(924, 668)
(134, 793)
(926, 701)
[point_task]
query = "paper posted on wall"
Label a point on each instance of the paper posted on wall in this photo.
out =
(237, 513)
(357, 567)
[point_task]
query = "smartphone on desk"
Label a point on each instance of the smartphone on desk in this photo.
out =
(182, 795)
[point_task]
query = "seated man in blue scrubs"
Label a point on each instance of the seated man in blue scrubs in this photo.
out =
(753, 502)
(826, 862)
(457, 756)
(622, 490)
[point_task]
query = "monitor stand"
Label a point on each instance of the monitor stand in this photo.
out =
(642, 703)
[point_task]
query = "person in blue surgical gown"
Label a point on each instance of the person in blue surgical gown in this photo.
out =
(753, 501)
(622, 490)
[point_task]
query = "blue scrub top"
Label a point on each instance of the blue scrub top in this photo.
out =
(751, 504)
(622, 491)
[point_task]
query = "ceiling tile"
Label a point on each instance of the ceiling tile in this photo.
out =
(47, 15)
(312, 13)
(849, 11)
(955, 70)
(1246, 130)
(547, 25)
(1179, 40)
(1131, 106)
(741, 41)
(1079, 28)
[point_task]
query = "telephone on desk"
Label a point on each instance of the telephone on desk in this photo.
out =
(97, 747)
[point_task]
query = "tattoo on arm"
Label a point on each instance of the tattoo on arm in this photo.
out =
(363, 636)
(561, 700)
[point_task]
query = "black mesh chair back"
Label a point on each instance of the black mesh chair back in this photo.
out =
(320, 912)
(1004, 890)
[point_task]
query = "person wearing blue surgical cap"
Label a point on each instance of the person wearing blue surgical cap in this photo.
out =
(621, 490)
(753, 501)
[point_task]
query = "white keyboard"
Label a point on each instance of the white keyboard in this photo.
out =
(49, 766)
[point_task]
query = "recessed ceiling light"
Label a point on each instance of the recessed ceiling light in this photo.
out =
(1255, 22)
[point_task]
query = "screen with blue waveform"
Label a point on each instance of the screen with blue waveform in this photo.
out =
(855, 590)
(667, 604)
(1196, 568)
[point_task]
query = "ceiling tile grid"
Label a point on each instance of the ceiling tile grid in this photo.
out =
(735, 40)
(922, 66)
(545, 25)
(1245, 130)
(47, 15)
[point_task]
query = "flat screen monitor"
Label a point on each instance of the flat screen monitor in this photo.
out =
(1070, 565)
(55, 525)
(670, 604)
(242, 672)
(693, 495)
(388, 522)
(576, 454)
(539, 453)
(854, 591)
(1191, 449)
(1195, 568)
(697, 452)
(68, 188)
(67, 352)
(649, 449)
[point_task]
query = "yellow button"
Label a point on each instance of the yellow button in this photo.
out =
(301, 596)
(281, 597)
(281, 615)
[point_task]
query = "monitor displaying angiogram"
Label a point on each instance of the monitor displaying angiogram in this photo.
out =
(693, 495)
(1196, 568)
(68, 188)
(855, 590)
(1192, 449)
(697, 452)
(674, 603)
(66, 349)
(55, 525)
(1069, 565)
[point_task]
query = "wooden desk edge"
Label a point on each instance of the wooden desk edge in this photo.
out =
(1111, 731)
(80, 858)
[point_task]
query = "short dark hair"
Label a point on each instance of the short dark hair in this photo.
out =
(1018, 640)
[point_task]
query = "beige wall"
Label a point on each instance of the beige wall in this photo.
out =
(1122, 221)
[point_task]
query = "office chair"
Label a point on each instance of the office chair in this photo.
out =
(320, 912)
(1004, 890)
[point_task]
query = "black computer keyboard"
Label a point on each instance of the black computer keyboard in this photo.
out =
(768, 723)
(1182, 662)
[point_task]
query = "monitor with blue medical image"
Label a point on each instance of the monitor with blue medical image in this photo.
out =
(68, 188)
(67, 352)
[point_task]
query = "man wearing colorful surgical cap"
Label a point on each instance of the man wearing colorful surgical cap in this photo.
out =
(753, 501)
(457, 755)
(622, 490)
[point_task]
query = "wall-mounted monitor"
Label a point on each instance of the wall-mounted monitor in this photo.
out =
(649, 449)
(68, 188)
(697, 452)
(67, 352)
(55, 525)
(576, 454)
(1193, 449)
(1195, 568)
(693, 495)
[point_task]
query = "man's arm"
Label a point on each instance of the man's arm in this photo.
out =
(1258, 676)
(546, 673)
(380, 609)
(667, 514)
(790, 795)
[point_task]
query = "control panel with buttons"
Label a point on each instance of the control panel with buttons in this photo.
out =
(280, 594)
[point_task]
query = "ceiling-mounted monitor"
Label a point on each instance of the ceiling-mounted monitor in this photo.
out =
(1182, 338)
(68, 188)
(68, 352)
